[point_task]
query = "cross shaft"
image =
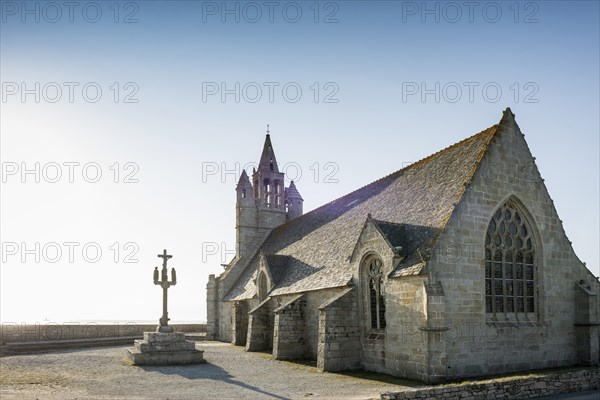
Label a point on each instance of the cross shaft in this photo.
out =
(165, 284)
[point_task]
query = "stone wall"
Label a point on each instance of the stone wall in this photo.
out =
(339, 333)
(370, 242)
(478, 343)
(240, 323)
(253, 224)
(518, 388)
(406, 344)
(587, 335)
(224, 321)
(314, 300)
(402, 349)
(289, 336)
(14, 332)
(260, 328)
(212, 304)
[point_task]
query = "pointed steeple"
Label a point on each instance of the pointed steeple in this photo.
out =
(268, 162)
(245, 195)
(293, 192)
(268, 181)
(244, 181)
(293, 201)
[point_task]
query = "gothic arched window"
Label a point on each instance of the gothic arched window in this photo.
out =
(262, 286)
(510, 259)
(376, 293)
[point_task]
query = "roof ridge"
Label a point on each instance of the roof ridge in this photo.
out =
(421, 161)
(397, 172)
(273, 255)
(438, 153)
(387, 222)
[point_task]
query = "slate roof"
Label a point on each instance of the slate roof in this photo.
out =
(412, 238)
(244, 181)
(410, 207)
(277, 266)
(292, 191)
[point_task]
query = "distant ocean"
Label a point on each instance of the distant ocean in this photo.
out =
(102, 322)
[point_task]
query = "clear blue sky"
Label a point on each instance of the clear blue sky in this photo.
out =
(362, 114)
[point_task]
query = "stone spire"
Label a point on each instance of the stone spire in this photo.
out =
(293, 192)
(268, 182)
(268, 162)
(244, 189)
(244, 181)
(294, 201)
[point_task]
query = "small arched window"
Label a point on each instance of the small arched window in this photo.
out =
(376, 303)
(277, 189)
(510, 260)
(262, 286)
(267, 190)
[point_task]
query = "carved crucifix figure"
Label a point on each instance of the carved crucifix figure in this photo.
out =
(165, 284)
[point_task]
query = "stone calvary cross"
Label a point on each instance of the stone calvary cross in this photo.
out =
(165, 346)
(165, 284)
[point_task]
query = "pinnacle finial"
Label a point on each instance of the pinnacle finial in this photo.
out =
(508, 117)
(509, 112)
(268, 131)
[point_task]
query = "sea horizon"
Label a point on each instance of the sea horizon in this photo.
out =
(98, 322)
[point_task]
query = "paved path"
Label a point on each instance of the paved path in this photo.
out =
(230, 373)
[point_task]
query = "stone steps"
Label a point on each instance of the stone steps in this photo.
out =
(196, 336)
(165, 348)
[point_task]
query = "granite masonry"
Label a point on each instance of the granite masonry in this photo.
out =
(454, 266)
(516, 388)
(160, 348)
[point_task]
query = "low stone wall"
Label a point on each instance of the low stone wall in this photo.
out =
(48, 332)
(517, 388)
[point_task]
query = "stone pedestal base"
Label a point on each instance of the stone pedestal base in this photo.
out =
(162, 348)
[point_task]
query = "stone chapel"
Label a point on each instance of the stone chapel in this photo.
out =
(454, 266)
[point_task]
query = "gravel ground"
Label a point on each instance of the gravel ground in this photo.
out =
(230, 373)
